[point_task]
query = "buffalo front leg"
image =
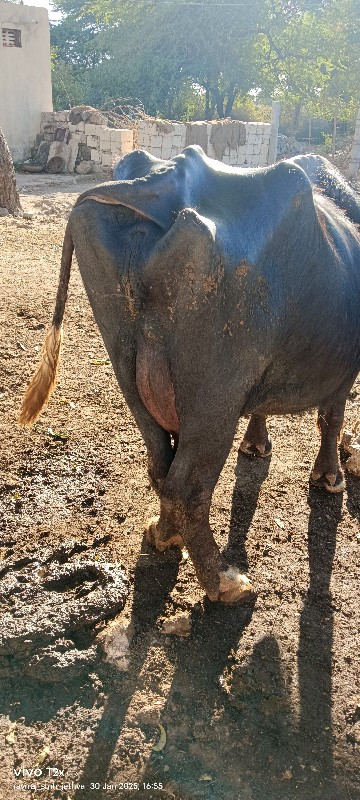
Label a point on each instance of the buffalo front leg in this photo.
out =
(256, 441)
(185, 506)
(327, 472)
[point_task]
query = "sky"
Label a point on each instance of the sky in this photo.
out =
(43, 4)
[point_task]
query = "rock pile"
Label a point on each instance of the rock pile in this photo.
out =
(80, 140)
(287, 147)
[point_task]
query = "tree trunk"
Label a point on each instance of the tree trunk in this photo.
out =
(230, 100)
(295, 119)
(207, 102)
(9, 196)
(219, 102)
(333, 142)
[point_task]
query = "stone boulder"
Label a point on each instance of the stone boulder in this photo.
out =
(86, 114)
(59, 157)
(84, 168)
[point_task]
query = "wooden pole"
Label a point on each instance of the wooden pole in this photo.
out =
(355, 150)
(333, 146)
(275, 119)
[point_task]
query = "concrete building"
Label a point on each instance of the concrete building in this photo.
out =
(25, 74)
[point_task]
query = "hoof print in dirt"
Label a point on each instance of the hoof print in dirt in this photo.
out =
(47, 602)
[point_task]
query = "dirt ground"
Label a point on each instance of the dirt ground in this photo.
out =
(259, 702)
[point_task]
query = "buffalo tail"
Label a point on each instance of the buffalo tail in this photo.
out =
(44, 379)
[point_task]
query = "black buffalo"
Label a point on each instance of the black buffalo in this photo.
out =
(219, 293)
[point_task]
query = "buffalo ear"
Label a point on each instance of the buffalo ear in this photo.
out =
(158, 196)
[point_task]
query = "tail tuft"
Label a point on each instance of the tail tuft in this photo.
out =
(44, 379)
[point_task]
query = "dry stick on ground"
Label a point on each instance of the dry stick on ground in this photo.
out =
(9, 196)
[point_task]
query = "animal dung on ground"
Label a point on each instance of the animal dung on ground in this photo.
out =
(46, 599)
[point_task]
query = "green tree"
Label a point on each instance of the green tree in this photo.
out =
(155, 50)
(202, 58)
(311, 63)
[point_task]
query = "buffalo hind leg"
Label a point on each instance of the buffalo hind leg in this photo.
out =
(160, 453)
(190, 525)
(327, 472)
(162, 531)
(185, 506)
(159, 462)
(256, 441)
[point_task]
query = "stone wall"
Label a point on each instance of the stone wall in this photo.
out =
(90, 145)
(244, 144)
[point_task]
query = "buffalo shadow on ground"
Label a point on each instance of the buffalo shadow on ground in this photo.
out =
(259, 719)
(353, 495)
(200, 661)
(278, 754)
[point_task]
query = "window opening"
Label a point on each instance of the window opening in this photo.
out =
(11, 37)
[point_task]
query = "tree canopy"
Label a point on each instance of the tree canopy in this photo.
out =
(203, 58)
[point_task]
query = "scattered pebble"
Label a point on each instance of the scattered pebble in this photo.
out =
(10, 738)
(351, 445)
(115, 641)
(180, 625)
(151, 710)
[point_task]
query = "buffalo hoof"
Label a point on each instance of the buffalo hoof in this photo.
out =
(252, 449)
(235, 587)
(332, 482)
(155, 538)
